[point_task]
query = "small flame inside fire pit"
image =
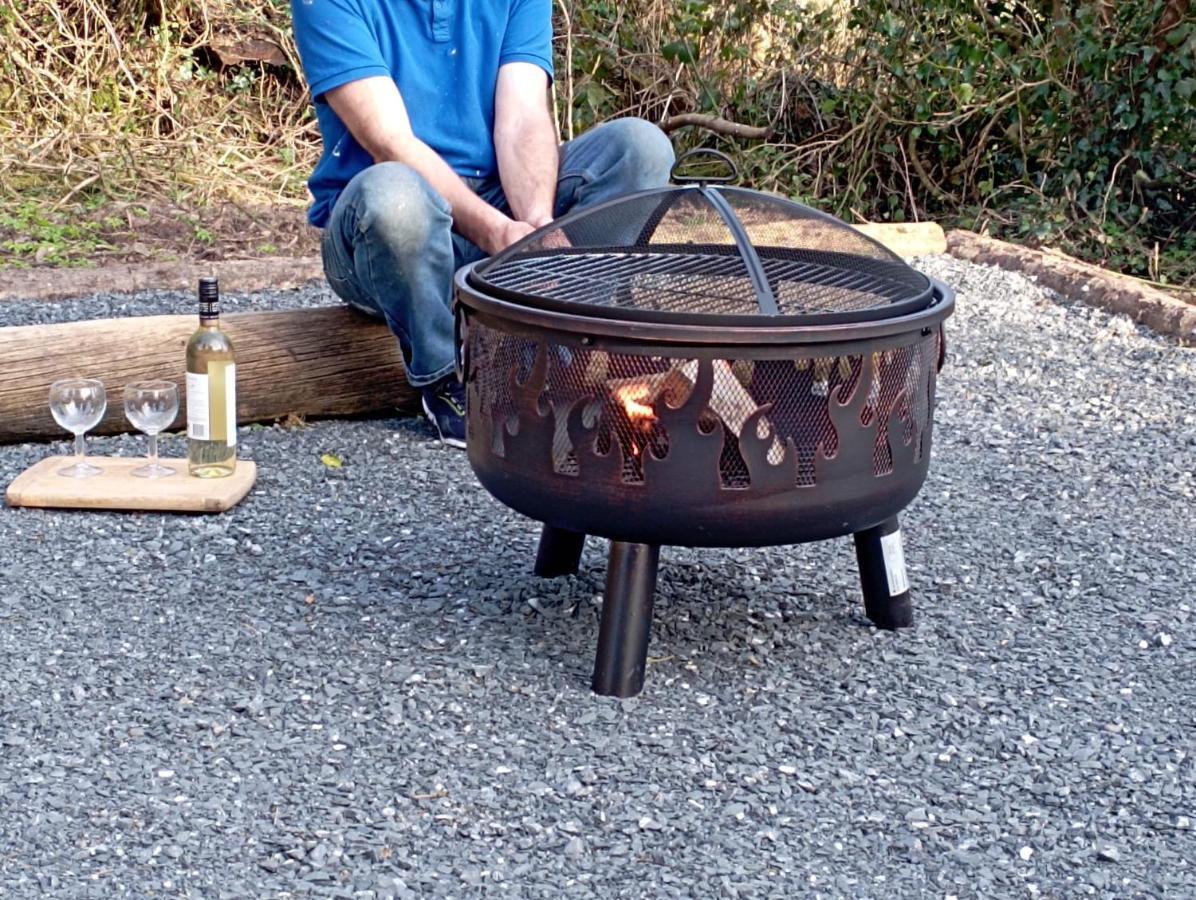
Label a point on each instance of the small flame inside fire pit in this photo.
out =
(632, 397)
(633, 401)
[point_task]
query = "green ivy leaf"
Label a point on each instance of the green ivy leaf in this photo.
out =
(679, 51)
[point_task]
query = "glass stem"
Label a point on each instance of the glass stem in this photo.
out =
(153, 456)
(79, 448)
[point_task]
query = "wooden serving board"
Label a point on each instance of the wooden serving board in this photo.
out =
(115, 488)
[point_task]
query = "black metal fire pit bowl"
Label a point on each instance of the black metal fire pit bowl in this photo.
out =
(703, 366)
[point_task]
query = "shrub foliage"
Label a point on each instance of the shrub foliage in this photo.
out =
(1049, 121)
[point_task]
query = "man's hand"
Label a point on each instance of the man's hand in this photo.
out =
(504, 235)
(556, 239)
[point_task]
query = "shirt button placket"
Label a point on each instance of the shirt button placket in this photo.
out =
(441, 19)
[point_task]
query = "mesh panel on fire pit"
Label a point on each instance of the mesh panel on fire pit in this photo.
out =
(792, 416)
(705, 255)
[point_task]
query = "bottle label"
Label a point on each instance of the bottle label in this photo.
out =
(894, 556)
(199, 427)
(212, 404)
(222, 402)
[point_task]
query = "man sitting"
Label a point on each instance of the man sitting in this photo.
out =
(440, 149)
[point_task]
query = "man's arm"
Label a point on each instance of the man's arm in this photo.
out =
(525, 141)
(373, 111)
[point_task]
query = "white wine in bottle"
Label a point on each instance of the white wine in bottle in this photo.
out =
(211, 392)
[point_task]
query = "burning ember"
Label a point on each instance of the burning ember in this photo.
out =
(632, 397)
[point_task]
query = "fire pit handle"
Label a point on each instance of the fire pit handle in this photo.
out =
(459, 336)
(677, 178)
(943, 291)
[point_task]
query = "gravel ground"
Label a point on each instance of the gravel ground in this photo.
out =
(352, 686)
(149, 303)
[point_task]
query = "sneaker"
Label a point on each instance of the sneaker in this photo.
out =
(444, 405)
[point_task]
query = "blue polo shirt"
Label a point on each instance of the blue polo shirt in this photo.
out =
(444, 55)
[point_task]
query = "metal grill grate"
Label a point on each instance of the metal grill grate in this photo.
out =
(704, 253)
(690, 281)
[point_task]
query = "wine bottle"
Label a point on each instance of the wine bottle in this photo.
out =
(211, 392)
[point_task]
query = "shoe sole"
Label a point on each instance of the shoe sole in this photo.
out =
(447, 441)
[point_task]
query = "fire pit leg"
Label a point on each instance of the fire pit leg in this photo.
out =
(559, 553)
(626, 619)
(882, 575)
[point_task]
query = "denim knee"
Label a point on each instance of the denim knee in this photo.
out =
(647, 152)
(397, 206)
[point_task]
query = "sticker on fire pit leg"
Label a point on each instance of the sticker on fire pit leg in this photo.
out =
(890, 549)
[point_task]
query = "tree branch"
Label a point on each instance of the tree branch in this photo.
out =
(717, 124)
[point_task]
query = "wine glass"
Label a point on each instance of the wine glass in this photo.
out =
(77, 405)
(151, 406)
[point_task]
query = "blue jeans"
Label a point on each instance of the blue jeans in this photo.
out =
(389, 248)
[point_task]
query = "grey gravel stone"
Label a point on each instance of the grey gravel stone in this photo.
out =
(336, 671)
(151, 303)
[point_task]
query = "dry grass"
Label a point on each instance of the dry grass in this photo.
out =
(130, 101)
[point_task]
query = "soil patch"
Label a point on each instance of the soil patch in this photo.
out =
(74, 251)
(34, 235)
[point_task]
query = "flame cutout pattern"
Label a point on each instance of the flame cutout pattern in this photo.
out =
(592, 463)
(847, 415)
(479, 428)
(553, 418)
(903, 449)
(693, 455)
(763, 475)
(530, 432)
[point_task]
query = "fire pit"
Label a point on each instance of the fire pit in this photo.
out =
(701, 365)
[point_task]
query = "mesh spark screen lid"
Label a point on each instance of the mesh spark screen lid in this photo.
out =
(699, 254)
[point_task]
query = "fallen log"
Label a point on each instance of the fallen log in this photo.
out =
(310, 362)
(903, 238)
(1083, 281)
(907, 238)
